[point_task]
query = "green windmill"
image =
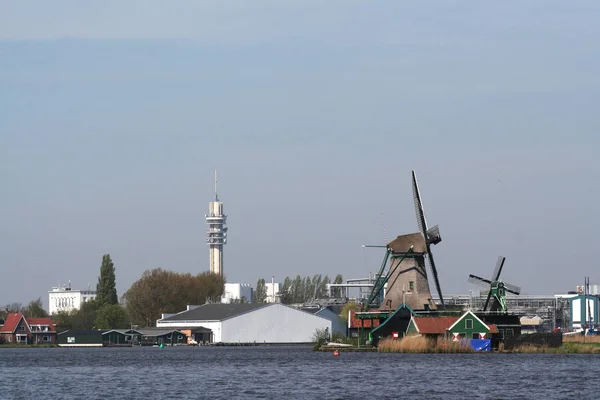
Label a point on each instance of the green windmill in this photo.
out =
(496, 288)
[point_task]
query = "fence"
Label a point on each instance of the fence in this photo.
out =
(534, 339)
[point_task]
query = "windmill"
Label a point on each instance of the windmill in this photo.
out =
(431, 235)
(496, 288)
(406, 279)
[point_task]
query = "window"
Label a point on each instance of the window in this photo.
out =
(21, 329)
(411, 285)
(45, 338)
(468, 324)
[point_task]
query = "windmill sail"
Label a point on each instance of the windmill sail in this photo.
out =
(431, 236)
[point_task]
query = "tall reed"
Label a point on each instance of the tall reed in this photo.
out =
(421, 344)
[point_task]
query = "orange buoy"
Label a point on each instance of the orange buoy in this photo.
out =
(336, 353)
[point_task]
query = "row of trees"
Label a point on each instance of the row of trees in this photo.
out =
(157, 291)
(300, 290)
(34, 309)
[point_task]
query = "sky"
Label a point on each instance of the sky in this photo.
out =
(114, 116)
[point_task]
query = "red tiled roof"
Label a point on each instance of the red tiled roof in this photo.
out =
(434, 325)
(42, 321)
(11, 323)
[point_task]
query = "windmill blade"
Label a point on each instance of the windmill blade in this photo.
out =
(421, 222)
(512, 288)
(487, 300)
(479, 281)
(435, 276)
(498, 269)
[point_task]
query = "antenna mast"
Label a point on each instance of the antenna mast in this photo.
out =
(216, 187)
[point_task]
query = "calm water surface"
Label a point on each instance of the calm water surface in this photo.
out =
(289, 373)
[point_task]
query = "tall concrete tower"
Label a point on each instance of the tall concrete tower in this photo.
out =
(216, 236)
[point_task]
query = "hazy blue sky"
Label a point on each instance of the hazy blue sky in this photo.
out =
(113, 116)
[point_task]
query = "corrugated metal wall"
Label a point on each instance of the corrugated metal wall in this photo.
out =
(276, 323)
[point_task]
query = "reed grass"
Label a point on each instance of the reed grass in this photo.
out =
(581, 339)
(420, 344)
(571, 347)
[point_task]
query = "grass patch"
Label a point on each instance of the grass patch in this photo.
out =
(25, 346)
(571, 347)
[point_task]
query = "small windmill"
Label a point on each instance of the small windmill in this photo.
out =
(431, 235)
(496, 288)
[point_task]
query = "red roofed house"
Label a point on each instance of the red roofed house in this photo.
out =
(467, 326)
(18, 329)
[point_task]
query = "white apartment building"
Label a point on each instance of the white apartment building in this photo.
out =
(66, 299)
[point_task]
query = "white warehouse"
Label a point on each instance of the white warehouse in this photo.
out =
(248, 323)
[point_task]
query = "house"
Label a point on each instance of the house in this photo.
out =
(466, 326)
(248, 323)
(19, 329)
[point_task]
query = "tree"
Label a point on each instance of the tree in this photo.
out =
(85, 317)
(296, 290)
(35, 309)
(106, 291)
(261, 291)
(350, 306)
(14, 308)
(322, 290)
(285, 295)
(63, 321)
(335, 291)
(160, 291)
(111, 316)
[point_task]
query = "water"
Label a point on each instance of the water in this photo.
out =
(289, 373)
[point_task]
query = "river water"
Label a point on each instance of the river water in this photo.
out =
(289, 373)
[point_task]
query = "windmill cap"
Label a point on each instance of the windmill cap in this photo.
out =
(403, 243)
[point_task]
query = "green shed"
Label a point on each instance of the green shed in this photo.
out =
(157, 336)
(469, 326)
(80, 338)
(117, 338)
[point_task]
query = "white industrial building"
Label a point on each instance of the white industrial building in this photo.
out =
(273, 289)
(66, 299)
(248, 323)
(237, 292)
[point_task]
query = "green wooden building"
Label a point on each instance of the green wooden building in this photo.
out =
(157, 336)
(80, 338)
(94, 338)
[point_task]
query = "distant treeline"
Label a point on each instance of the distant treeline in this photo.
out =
(300, 290)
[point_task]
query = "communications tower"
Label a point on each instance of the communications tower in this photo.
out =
(216, 236)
